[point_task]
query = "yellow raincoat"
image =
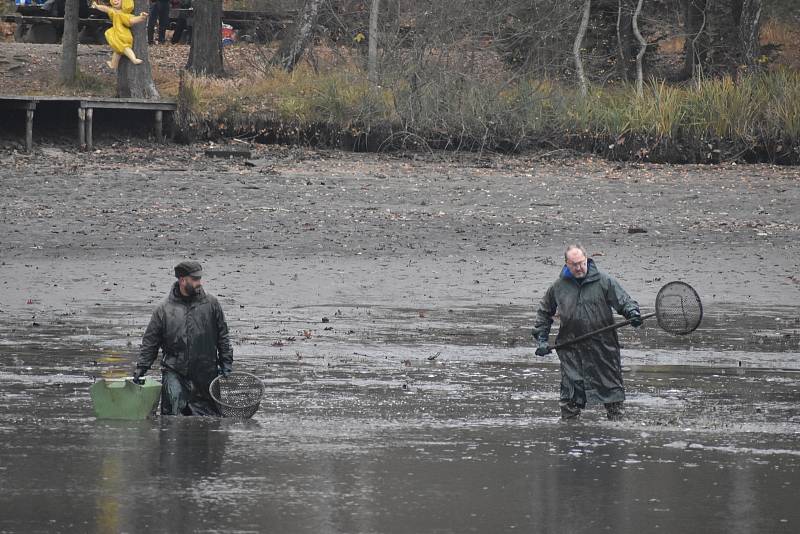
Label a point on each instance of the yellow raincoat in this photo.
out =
(119, 35)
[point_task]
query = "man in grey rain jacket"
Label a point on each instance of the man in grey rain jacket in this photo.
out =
(585, 299)
(190, 329)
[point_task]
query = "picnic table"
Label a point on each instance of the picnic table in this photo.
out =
(262, 26)
(43, 28)
(35, 24)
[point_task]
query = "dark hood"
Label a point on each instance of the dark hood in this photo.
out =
(592, 273)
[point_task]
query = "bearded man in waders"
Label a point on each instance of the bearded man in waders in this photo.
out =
(190, 329)
(585, 299)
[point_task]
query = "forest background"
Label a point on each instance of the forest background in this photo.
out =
(651, 80)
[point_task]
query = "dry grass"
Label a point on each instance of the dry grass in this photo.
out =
(458, 112)
(7, 31)
(787, 37)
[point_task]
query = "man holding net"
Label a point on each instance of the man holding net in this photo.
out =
(189, 326)
(584, 298)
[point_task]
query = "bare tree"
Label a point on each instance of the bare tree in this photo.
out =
(205, 55)
(626, 55)
(372, 62)
(136, 81)
(292, 49)
(642, 48)
(749, 26)
(621, 56)
(69, 43)
(576, 48)
(696, 47)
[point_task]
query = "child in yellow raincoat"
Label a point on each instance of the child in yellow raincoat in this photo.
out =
(119, 35)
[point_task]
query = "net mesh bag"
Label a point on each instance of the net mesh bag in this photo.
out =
(678, 308)
(237, 394)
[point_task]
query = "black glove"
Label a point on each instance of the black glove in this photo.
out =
(635, 318)
(137, 375)
(544, 348)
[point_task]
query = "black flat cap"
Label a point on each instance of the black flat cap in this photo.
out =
(189, 268)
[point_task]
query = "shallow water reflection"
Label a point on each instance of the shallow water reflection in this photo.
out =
(378, 438)
(366, 455)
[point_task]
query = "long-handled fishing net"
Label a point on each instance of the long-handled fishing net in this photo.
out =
(678, 311)
(237, 394)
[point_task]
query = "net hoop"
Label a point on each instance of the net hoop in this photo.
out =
(678, 308)
(237, 394)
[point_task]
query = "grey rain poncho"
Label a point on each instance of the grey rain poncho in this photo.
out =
(193, 336)
(590, 369)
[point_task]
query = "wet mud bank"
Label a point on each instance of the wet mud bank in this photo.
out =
(714, 150)
(386, 303)
(386, 137)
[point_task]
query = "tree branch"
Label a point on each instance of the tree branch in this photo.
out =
(576, 48)
(642, 49)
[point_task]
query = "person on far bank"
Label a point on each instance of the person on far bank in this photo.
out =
(190, 329)
(182, 22)
(159, 12)
(585, 298)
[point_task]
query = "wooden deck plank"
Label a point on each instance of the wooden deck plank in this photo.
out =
(128, 103)
(93, 101)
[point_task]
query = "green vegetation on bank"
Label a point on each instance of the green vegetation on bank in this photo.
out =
(756, 118)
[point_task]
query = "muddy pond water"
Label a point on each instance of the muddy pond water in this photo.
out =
(378, 435)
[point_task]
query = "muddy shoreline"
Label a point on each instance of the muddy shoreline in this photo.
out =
(133, 199)
(299, 227)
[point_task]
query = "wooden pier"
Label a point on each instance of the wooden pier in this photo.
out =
(85, 107)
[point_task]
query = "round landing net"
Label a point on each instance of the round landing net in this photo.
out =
(678, 308)
(237, 395)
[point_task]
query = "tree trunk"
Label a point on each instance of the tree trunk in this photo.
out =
(576, 48)
(642, 49)
(292, 50)
(621, 70)
(749, 28)
(372, 62)
(625, 40)
(205, 55)
(69, 44)
(136, 81)
(696, 47)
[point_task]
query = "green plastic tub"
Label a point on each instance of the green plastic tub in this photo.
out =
(122, 399)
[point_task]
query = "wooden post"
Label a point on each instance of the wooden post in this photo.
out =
(159, 125)
(89, 141)
(82, 128)
(19, 32)
(29, 129)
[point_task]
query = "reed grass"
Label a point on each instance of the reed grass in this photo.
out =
(745, 114)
